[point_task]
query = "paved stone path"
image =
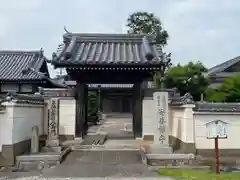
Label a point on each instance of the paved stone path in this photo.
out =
(93, 165)
(101, 164)
(118, 126)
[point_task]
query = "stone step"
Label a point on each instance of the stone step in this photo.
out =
(95, 139)
(165, 159)
(39, 160)
(105, 148)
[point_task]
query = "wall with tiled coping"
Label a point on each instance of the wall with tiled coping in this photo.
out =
(188, 130)
(229, 146)
(16, 122)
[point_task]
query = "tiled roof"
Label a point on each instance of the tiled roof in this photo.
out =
(13, 63)
(223, 66)
(217, 107)
(20, 98)
(57, 92)
(24, 66)
(107, 49)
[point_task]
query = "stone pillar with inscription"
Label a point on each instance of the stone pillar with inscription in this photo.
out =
(161, 135)
(53, 125)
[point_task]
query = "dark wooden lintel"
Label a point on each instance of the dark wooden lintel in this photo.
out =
(111, 77)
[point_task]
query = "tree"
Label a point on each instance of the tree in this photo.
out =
(228, 91)
(186, 78)
(146, 23)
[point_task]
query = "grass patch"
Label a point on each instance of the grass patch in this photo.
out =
(193, 174)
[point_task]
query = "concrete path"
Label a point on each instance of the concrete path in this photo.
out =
(116, 126)
(93, 165)
(101, 164)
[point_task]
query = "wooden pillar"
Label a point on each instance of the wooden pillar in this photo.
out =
(99, 98)
(101, 101)
(86, 108)
(80, 109)
(137, 110)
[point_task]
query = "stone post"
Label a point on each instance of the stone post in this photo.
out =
(35, 140)
(53, 123)
(161, 138)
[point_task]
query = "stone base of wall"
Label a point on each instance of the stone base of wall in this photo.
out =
(10, 151)
(181, 147)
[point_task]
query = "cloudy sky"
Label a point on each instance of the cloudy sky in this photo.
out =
(204, 30)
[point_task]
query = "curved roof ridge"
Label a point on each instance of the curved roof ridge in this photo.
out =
(19, 51)
(223, 66)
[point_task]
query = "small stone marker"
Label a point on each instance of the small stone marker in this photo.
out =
(161, 139)
(161, 133)
(53, 123)
(35, 140)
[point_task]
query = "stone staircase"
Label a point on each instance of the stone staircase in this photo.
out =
(117, 147)
(38, 161)
(154, 155)
(150, 159)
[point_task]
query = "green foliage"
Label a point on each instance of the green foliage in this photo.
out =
(228, 91)
(186, 78)
(146, 23)
(197, 174)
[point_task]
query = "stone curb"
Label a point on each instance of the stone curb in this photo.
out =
(105, 149)
(153, 168)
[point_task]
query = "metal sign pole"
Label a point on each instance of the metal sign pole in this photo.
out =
(217, 155)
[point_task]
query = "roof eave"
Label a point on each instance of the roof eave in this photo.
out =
(21, 80)
(79, 65)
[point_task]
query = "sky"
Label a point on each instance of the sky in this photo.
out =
(200, 30)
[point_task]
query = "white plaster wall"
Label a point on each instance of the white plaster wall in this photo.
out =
(6, 124)
(176, 124)
(67, 116)
(17, 120)
(26, 116)
(182, 123)
(188, 125)
(233, 129)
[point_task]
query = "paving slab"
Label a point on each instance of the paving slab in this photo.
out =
(118, 126)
